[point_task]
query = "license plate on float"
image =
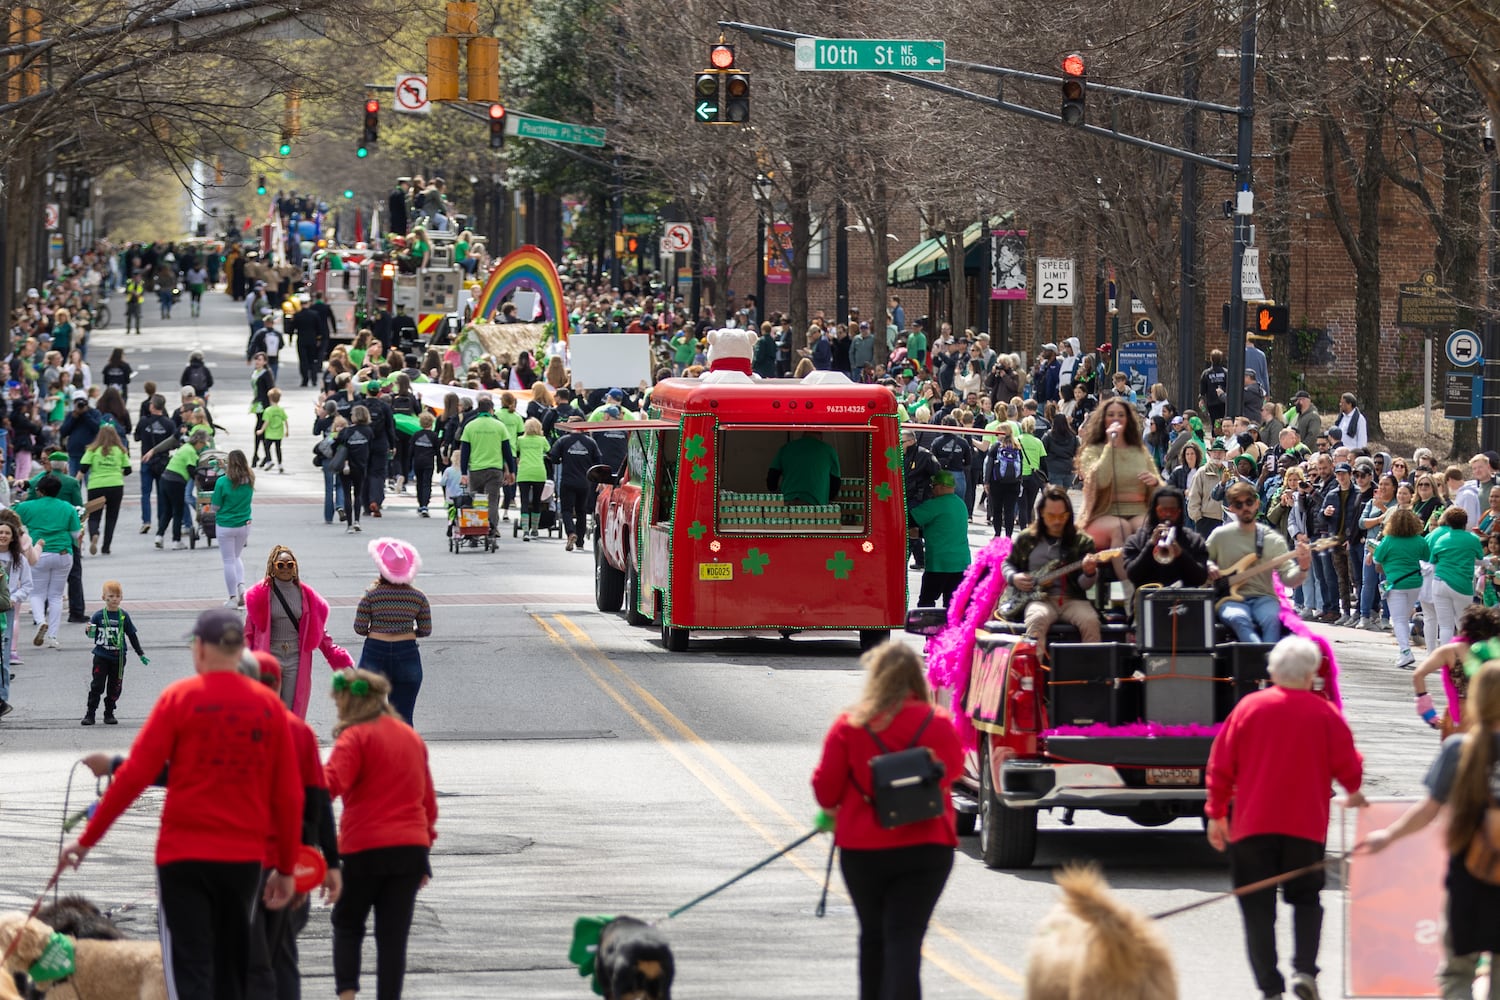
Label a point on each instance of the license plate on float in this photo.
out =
(1173, 775)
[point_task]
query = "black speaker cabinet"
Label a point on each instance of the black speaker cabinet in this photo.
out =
(1244, 665)
(1180, 689)
(1176, 620)
(1083, 688)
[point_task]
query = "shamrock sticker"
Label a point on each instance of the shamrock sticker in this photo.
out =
(697, 530)
(693, 448)
(840, 565)
(893, 457)
(755, 562)
(883, 491)
(698, 473)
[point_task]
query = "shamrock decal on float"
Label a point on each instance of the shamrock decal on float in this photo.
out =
(755, 562)
(697, 530)
(893, 457)
(698, 473)
(883, 491)
(840, 565)
(693, 448)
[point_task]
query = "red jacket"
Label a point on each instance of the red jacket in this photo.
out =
(309, 774)
(380, 769)
(233, 777)
(847, 750)
(1276, 758)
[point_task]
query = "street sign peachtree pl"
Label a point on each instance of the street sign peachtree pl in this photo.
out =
(871, 55)
(529, 127)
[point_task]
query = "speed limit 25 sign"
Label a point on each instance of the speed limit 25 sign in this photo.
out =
(1054, 281)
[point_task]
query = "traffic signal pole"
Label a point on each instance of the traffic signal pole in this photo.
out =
(1244, 206)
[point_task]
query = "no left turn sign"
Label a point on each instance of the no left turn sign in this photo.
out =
(411, 94)
(678, 238)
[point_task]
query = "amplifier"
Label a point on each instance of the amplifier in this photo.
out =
(1180, 689)
(1082, 688)
(1175, 620)
(1244, 664)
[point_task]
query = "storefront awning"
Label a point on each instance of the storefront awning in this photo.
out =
(927, 262)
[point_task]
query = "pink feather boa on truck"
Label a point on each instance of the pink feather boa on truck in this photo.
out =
(950, 654)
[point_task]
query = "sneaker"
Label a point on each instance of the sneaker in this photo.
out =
(572, 542)
(6, 708)
(179, 544)
(110, 720)
(357, 527)
(1362, 623)
(145, 529)
(1304, 987)
(525, 536)
(1406, 661)
(349, 530)
(88, 720)
(93, 545)
(54, 643)
(341, 515)
(1328, 617)
(1309, 614)
(41, 635)
(506, 517)
(422, 512)
(1386, 626)
(232, 602)
(160, 541)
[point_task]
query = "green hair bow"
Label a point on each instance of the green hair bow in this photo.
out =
(359, 686)
(1479, 654)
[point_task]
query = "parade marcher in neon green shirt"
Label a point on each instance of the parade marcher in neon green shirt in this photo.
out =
(108, 463)
(531, 476)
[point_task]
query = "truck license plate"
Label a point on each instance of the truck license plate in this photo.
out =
(1173, 775)
(716, 571)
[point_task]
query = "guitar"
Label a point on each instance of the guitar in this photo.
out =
(1012, 606)
(1227, 586)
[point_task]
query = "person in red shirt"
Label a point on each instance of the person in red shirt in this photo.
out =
(896, 875)
(1275, 761)
(232, 781)
(379, 768)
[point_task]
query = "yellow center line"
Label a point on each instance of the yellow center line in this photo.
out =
(761, 795)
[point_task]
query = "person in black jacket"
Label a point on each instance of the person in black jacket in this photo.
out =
(1182, 560)
(382, 444)
(955, 454)
(304, 326)
(575, 453)
(152, 430)
(1337, 516)
(919, 467)
(1062, 445)
(357, 442)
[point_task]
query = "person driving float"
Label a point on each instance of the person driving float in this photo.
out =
(805, 470)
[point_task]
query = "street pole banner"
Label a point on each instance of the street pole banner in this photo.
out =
(1008, 264)
(1394, 909)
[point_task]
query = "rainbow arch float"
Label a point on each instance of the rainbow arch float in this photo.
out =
(525, 267)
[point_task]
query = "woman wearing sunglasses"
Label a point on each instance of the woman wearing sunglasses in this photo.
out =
(288, 619)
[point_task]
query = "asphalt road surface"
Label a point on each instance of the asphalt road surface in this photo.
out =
(584, 770)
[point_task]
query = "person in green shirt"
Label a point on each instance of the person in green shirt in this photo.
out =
(916, 347)
(1453, 551)
(233, 493)
(108, 463)
(805, 470)
(514, 425)
(531, 476)
(55, 530)
(273, 431)
(944, 522)
(1399, 558)
(174, 486)
(684, 345)
(71, 490)
(486, 457)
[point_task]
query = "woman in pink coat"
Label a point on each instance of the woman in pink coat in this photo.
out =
(287, 618)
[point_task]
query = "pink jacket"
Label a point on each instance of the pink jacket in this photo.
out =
(311, 633)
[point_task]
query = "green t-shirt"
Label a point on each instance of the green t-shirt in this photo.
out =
(514, 425)
(806, 466)
(684, 347)
(183, 461)
(530, 466)
(357, 356)
(51, 521)
(233, 503)
(71, 492)
(1453, 556)
(916, 346)
(1399, 558)
(486, 438)
(1032, 453)
(106, 468)
(274, 428)
(944, 521)
(460, 251)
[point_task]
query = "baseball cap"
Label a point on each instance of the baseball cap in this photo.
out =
(79, 394)
(1177, 420)
(1301, 394)
(372, 387)
(1343, 467)
(1049, 347)
(1250, 371)
(616, 394)
(219, 627)
(943, 478)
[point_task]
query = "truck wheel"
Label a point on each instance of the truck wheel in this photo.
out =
(609, 583)
(869, 638)
(633, 600)
(1007, 837)
(674, 639)
(966, 823)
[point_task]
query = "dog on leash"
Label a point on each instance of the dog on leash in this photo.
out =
(634, 961)
(1091, 946)
(77, 917)
(103, 970)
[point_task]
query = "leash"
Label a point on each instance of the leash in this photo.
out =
(809, 835)
(36, 908)
(1265, 883)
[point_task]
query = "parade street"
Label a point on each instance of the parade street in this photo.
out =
(584, 770)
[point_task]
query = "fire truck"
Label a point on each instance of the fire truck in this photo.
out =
(339, 275)
(690, 538)
(433, 295)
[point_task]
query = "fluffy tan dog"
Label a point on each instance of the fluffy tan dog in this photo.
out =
(106, 970)
(1092, 946)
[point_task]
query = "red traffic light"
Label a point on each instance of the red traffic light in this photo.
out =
(721, 56)
(1072, 64)
(372, 107)
(496, 112)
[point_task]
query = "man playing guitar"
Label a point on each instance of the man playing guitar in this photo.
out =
(1257, 616)
(1053, 540)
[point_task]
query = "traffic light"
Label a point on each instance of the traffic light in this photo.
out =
(736, 98)
(1074, 89)
(721, 93)
(706, 101)
(1273, 319)
(372, 123)
(260, 184)
(632, 243)
(285, 149)
(497, 125)
(348, 194)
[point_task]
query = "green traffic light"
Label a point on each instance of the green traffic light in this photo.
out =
(260, 190)
(286, 149)
(348, 193)
(361, 152)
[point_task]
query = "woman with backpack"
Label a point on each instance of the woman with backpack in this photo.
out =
(894, 873)
(197, 376)
(1463, 777)
(1005, 475)
(108, 463)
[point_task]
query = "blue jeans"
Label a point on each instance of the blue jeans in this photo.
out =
(1328, 582)
(148, 482)
(401, 664)
(1370, 601)
(334, 495)
(1257, 619)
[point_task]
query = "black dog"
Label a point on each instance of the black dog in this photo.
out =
(634, 961)
(76, 916)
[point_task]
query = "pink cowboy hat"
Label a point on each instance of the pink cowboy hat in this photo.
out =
(397, 561)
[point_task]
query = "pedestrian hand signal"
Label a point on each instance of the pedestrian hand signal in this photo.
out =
(1273, 319)
(1074, 89)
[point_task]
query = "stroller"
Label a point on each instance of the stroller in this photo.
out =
(211, 465)
(469, 524)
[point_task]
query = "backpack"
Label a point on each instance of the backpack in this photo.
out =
(906, 786)
(1005, 466)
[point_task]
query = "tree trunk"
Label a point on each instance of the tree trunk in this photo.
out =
(879, 224)
(958, 283)
(801, 218)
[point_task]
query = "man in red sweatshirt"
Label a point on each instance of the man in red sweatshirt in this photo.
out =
(1275, 761)
(232, 779)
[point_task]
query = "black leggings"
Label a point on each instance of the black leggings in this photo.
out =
(531, 498)
(1005, 499)
(422, 474)
(576, 501)
(113, 496)
(385, 879)
(356, 488)
(204, 917)
(894, 893)
(174, 495)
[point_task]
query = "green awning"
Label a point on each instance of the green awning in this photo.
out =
(927, 262)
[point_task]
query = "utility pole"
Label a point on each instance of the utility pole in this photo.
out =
(1187, 318)
(1490, 404)
(1243, 208)
(841, 262)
